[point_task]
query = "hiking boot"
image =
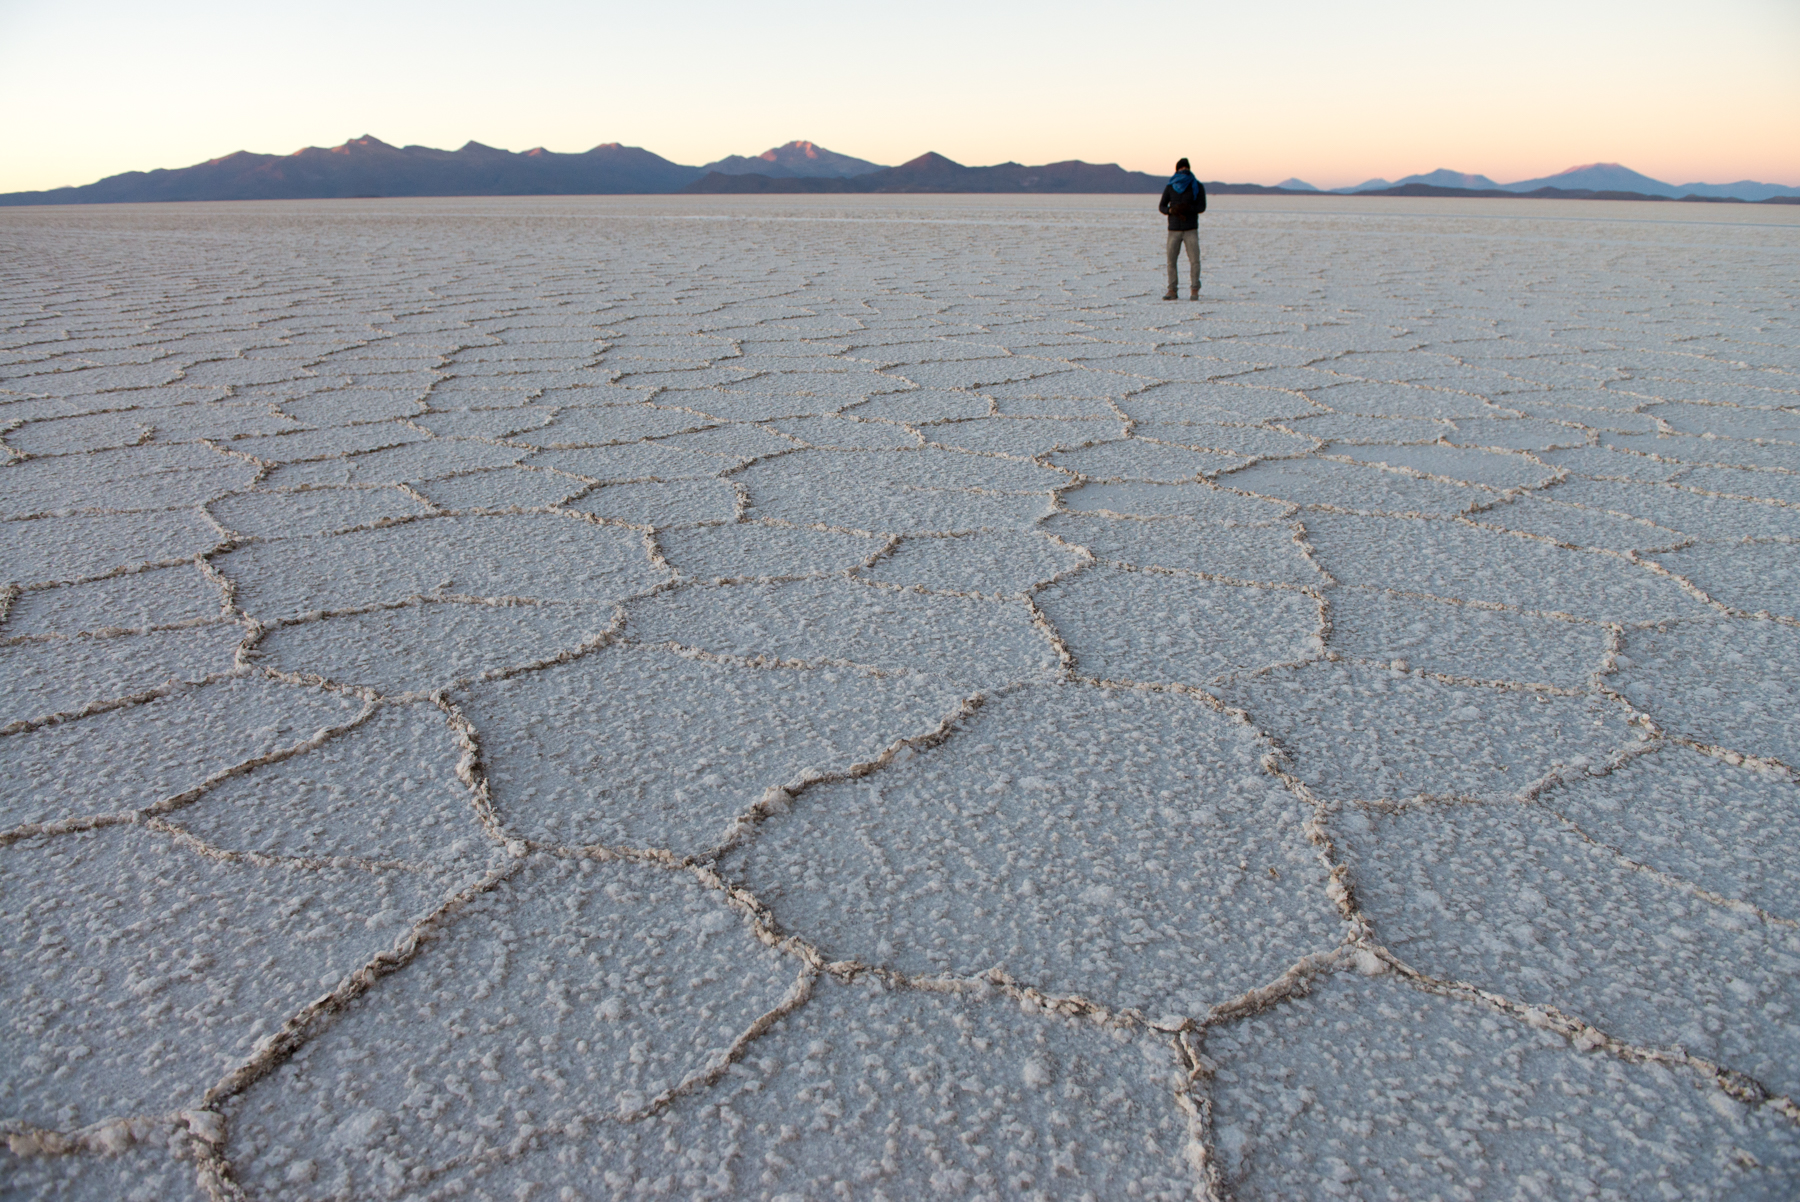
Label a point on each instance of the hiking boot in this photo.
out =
(1194, 292)
(1170, 294)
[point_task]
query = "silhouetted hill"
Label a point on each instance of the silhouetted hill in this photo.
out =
(1445, 178)
(1441, 178)
(1614, 177)
(1596, 177)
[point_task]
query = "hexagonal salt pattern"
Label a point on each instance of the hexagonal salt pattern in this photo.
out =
(575, 992)
(143, 968)
(898, 711)
(639, 747)
(1123, 846)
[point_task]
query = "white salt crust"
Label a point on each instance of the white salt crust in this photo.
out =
(490, 709)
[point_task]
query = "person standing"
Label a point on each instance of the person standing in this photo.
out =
(1183, 200)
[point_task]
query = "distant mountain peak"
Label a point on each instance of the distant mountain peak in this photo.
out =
(930, 158)
(798, 159)
(1443, 177)
(808, 149)
(1599, 177)
(353, 145)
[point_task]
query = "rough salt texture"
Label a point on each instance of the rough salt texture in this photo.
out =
(1150, 626)
(488, 709)
(131, 1162)
(142, 970)
(574, 993)
(638, 747)
(866, 1092)
(1508, 898)
(1387, 734)
(1367, 1089)
(1732, 683)
(1063, 841)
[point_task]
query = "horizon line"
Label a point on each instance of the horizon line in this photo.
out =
(1295, 177)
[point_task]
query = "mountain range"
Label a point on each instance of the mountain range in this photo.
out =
(1592, 177)
(933, 172)
(369, 167)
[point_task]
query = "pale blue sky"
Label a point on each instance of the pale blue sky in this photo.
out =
(1331, 92)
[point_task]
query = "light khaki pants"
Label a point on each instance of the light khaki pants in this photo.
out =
(1191, 240)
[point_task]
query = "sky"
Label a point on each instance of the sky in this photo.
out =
(1333, 93)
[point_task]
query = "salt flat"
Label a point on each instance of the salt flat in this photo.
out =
(747, 698)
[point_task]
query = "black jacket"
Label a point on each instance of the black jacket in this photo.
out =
(1183, 208)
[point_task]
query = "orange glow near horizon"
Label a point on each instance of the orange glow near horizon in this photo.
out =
(1679, 92)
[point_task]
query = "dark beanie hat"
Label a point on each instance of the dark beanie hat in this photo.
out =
(1181, 165)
